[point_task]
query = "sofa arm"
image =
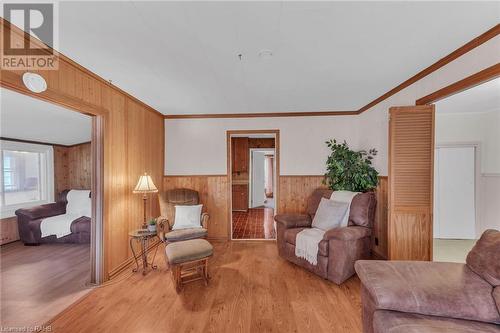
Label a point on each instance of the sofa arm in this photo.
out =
(293, 220)
(348, 233)
(430, 288)
(47, 210)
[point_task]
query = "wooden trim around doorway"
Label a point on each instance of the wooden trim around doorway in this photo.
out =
(229, 133)
(471, 81)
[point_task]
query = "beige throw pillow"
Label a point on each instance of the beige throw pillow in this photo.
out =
(330, 214)
(187, 217)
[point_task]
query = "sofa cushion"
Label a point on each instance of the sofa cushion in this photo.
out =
(291, 236)
(431, 288)
(484, 258)
(184, 234)
(400, 322)
(496, 297)
(362, 211)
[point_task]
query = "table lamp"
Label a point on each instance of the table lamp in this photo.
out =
(145, 185)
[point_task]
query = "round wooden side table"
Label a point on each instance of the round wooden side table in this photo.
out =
(142, 236)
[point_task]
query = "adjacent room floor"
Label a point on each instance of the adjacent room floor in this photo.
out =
(452, 250)
(38, 282)
(251, 290)
(256, 223)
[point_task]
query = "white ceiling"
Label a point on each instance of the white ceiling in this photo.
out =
(482, 98)
(181, 57)
(27, 118)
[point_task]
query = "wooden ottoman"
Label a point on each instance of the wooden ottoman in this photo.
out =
(189, 261)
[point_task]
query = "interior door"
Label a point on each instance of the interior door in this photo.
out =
(454, 204)
(258, 179)
(411, 156)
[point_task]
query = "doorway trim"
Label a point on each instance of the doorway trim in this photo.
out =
(477, 177)
(97, 271)
(466, 83)
(229, 133)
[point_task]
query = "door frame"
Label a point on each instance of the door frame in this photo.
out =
(250, 169)
(466, 83)
(229, 134)
(97, 272)
(477, 176)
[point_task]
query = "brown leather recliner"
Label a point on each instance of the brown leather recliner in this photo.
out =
(340, 247)
(422, 296)
(168, 200)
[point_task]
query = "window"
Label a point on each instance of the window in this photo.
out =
(26, 177)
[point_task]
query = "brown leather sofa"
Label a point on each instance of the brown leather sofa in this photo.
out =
(340, 247)
(29, 219)
(418, 296)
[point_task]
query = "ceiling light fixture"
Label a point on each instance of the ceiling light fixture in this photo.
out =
(34, 82)
(266, 54)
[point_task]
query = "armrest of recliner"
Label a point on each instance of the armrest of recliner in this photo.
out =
(204, 220)
(293, 220)
(41, 211)
(162, 227)
(351, 233)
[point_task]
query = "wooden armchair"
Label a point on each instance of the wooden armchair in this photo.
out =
(168, 200)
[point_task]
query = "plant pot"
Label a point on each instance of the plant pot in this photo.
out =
(151, 227)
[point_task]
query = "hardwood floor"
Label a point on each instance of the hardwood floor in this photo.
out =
(38, 282)
(256, 223)
(251, 290)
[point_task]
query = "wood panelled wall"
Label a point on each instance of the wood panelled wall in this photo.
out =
(214, 191)
(293, 194)
(72, 167)
(133, 144)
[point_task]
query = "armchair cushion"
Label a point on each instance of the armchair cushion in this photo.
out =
(348, 233)
(362, 210)
(293, 220)
(400, 322)
(184, 234)
(429, 288)
(484, 260)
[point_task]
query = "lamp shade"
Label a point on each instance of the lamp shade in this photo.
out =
(145, 185)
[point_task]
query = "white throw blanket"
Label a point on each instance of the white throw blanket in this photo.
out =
(344, 196)
(307, 241)
(79, 204)
(59, 225)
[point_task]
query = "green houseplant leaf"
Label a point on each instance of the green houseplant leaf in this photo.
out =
(350, 170)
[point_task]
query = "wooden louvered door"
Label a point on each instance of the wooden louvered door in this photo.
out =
(411, 158)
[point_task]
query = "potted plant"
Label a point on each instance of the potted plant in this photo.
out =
(152, 225)
(350, 170)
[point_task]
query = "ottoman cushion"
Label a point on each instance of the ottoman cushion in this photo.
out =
(193, 249)
(184, 234)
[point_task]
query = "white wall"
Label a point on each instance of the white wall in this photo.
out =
(482, 128)
(473, 127)
(198, 146)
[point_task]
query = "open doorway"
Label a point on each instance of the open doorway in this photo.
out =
(466, 169)
(253, 171)
(49, 234)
